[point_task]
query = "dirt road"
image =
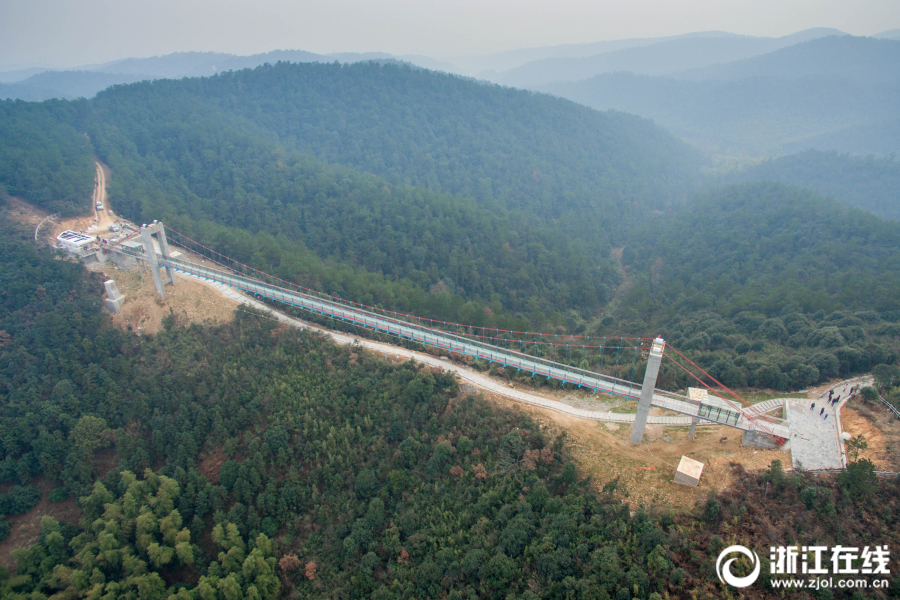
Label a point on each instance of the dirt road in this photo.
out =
(102, 219)
(105, 217)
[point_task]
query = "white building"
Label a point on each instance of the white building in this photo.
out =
(76, 243)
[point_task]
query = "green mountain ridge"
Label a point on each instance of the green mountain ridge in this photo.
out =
(866, 182)
(525, 240)
(453, 135)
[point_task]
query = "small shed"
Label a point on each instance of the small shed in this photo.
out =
(74, 242)
(689, 471)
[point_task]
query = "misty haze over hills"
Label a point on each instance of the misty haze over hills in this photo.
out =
(728, 95)
(37, 84)
(525, 67)
(836, 93)
(660, 58)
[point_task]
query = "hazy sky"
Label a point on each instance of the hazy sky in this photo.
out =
(73, 32)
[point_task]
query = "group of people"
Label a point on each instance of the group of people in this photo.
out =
(832, 400)
(822, 412)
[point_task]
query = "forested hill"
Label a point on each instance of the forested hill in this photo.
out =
(45, 156)
(866, 182)
(240, 162)
(770, 286)
(769, 247)
(446, 133)
(253, 461)
(483, 195)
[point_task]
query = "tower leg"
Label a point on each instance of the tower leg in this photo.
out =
(164, 249)
(147, 237)
(650, 375)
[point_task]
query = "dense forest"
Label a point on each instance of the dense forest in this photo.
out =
(866, 182)
(449, 134)
(263, 167)
(771, 247)
(177, 154)
(203, 173)
(254, 461)
(44, 157)
(772, 286)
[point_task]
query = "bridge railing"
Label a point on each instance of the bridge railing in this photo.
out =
(457, 343)
(448, 341)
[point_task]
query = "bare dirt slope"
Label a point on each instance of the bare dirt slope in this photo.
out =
(22, 212)
(144, 311)
(26, 528)
(97, 222)
(105, 217)
(645, 472)
(880, 428)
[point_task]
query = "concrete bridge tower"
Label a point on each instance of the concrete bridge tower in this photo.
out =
(650, 375)
(147, 232)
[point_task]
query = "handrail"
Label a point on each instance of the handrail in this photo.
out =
(890, 406)
(456, 343)
(39, 225)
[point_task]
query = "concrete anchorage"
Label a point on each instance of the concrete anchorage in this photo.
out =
(650, 375)
(114, 299)
(147, 233)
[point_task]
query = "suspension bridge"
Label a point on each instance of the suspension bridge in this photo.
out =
(200, 262)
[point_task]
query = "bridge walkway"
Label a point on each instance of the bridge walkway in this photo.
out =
(715, 413)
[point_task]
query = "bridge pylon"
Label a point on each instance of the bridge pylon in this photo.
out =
(650, 375)
(147, 232)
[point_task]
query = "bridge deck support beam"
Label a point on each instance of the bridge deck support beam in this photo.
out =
(650, 375)
(694, 422)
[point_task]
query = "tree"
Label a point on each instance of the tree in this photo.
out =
(856, 445)
(886, 376)
(859, 478)
(90, 433)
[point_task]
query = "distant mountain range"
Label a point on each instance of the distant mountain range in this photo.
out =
(40, 84)
(527, 67)
(838, 93)
(663, 57)
(727, 94)
(862, 60)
